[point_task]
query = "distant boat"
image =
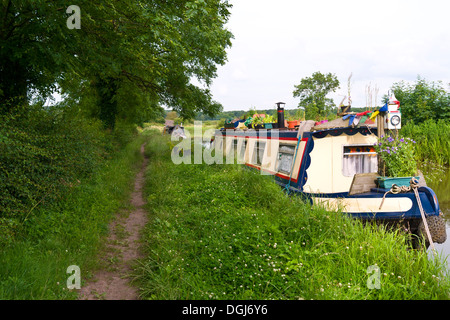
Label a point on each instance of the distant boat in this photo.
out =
(173, 129)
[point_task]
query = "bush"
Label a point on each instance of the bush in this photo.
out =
(44, 154)
(423, 100)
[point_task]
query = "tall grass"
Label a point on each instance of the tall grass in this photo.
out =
(225, 232)
(68, 232)
(433, 140)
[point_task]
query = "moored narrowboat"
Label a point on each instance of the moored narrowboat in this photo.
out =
(335, 164)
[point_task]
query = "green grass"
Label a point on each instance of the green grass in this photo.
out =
(68, 232)
(433, 141)
(206, 125)
(227, 232)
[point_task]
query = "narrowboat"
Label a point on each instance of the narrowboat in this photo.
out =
(334, 164)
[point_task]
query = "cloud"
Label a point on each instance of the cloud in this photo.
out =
(277, 43)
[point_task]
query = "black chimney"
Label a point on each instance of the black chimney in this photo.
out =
(280, 113)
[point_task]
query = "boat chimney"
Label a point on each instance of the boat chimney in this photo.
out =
(280, 113)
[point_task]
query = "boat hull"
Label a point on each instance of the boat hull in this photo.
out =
(370, 205)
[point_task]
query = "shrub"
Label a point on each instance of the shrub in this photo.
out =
(44, 154)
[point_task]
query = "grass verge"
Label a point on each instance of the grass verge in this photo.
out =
(67, 233)
(226, 232)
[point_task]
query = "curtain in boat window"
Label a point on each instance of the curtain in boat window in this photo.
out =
(359, 159)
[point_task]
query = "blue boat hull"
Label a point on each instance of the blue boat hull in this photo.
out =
(427, 197)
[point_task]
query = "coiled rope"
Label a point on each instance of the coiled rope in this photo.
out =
(394, 190)
(414, 186)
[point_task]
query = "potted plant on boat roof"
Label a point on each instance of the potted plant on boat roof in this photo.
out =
(257, 121)
(229, 124)
(248, 122)
(292, 122)
(295, 119)
(269, 122)
(400, 164)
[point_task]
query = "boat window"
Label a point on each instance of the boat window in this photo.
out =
(285, 158)
(258, 152)
(230, 147)
(359, 159)
(241, 151)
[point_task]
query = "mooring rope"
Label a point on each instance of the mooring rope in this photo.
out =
(414, 186)
(414, 183)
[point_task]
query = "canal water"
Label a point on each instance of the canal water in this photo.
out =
(441, 186)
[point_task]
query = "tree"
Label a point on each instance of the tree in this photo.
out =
(312, 92)
(162, 45)
(151, 47)
(422, 100)
(32, 34)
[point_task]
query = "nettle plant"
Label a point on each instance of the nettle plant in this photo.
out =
(397, 155)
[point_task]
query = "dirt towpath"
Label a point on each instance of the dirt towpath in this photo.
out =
(112, 282)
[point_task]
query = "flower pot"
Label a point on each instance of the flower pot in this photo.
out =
(268, 126)
(388, 182)
(292, 124)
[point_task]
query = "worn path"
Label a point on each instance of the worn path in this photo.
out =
(113, 283)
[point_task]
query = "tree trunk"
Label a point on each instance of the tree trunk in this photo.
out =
(107, 89)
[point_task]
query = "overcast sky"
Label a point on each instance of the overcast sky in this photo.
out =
(277, 43)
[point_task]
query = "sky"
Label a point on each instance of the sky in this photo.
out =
(277, 43)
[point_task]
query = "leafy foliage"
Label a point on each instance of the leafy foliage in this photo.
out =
(153, 49)
(35, 49)
(150, 48)
(422, 100)
(43, 156)
(398, 156)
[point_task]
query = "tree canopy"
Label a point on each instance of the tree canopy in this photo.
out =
(422, 100)
(313, 92)
(127, 59)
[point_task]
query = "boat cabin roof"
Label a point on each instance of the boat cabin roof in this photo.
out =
(341, 125)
